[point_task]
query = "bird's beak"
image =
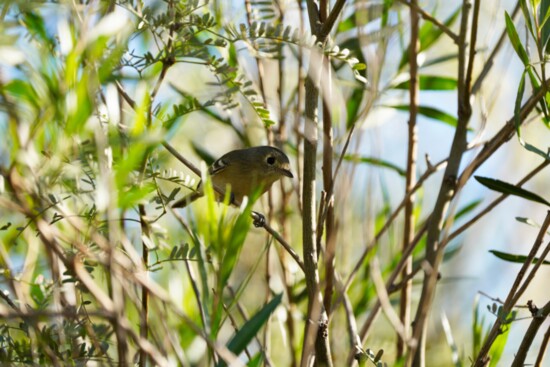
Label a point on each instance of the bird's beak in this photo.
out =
(285, 171)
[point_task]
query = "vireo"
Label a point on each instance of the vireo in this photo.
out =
(244, 171)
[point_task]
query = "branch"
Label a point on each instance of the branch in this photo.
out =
(538, 320)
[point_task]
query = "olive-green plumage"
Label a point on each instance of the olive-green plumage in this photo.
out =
(243, 171)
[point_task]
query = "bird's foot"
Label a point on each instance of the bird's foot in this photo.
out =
(259, 219)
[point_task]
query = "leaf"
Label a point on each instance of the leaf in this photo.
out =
(466, 209)
(249, 330)
(431, 82)
(517, 105)
(544, 25)
(203, 154)
(513, 258)
(514, 39)
(430, 112)
(509, 189)
(353, 105)
(528, 221)
(498, 346)
(375, 162)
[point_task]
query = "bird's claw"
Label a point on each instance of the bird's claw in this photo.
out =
(259, 219)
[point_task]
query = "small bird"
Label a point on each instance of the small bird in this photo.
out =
(244, 171)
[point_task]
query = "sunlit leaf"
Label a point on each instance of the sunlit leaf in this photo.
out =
(509, 189)
(514, 39)
(431, 82)
(513, 258)
(430, 112)
(242, 338)
(375, 162)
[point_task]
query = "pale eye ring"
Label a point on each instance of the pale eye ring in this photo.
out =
(270, 160)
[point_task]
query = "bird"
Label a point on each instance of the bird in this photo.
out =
(242, 172)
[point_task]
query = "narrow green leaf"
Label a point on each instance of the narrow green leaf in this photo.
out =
(528, 221)
(432, 113)
(203, 154)
(431, 82)
(544, 14)
(241, 339)
(509, 189)
(517, 105)
(514, 39)
(375, 162)
(439, 60)
(495, 353)
(347, 24)
(527, 16)
(513, 258)
(256, 361)
(467, 209)
(353, 105)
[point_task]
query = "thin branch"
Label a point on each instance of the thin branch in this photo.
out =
(412, 152)
(515, 291)
(427, 16)
(332, 17)
(496, 202)
(536, 323)
(543, 347)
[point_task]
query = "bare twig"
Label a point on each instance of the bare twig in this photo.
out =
(434, 250)
(410, 180)
(543, 347)
(536, 323)
(517, 289)
(427, 16)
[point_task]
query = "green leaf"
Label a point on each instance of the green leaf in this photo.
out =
(528, 221)
(430, 112)
(353, 105)
(509, 189)
(249, 330)
(203, 154)
(544, 14)
(514, 38)
(527, 16)
(498, 346)
(431, 82)
(347, 24)
(256, 361)
(466, 209)
(439, 60)
(375, 162)
(517, 105)
(513, 258)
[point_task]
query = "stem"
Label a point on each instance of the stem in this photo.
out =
(408, 230)
(328, 182)
(530, 334)
(515, 292)
(434, 250)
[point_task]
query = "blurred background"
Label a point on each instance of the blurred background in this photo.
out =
(68, 72)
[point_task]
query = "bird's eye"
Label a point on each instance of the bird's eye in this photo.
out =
(270, 160)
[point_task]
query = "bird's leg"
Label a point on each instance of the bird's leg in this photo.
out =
(259, 219)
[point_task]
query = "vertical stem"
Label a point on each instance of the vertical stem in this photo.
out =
(434, 249)
(328, 183)
(309, 218)
(408, 230)
(144, 315)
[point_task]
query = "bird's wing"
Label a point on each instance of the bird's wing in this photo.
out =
(218, 166)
